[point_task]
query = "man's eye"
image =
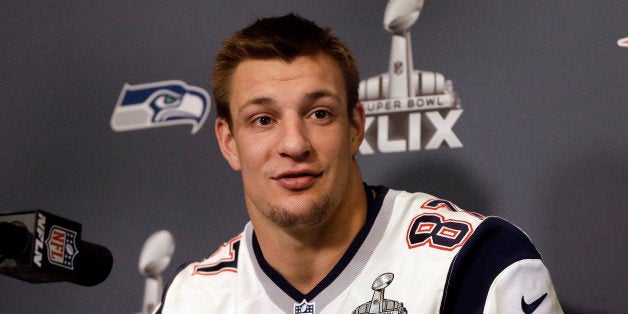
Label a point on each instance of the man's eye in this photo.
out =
(264, 120)
(320, 114)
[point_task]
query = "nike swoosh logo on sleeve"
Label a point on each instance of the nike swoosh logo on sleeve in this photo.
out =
(530, 308)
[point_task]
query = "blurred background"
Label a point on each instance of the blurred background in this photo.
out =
(543, 89)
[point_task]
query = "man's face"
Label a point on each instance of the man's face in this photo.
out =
(293, 139)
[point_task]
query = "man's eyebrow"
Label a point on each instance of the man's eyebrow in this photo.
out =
(260, 101)
(310, 97)
(321, 94)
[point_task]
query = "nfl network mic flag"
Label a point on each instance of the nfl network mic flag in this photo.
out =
(37, 246)
(51, 246)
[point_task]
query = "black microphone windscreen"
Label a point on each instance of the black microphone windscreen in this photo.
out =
(14, 239)
(95, 264)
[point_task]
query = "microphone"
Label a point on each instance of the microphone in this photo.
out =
(37, 247)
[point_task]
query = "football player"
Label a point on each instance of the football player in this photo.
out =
(320, 240)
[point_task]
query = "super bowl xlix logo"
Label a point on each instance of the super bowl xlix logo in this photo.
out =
(378, 304)
(407, 109)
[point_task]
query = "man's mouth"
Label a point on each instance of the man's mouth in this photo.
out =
(297, 181)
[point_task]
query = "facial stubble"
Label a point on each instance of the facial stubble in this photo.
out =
(288, 218)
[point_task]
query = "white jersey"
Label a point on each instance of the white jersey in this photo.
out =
(415, 254)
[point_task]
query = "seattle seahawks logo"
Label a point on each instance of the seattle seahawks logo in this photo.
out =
(378, 304)
(160, 104)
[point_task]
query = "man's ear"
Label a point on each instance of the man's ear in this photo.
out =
(357, 120)
(227, 143)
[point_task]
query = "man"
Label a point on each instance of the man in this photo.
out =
(320, 240)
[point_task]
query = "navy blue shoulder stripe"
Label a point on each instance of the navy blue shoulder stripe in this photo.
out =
(163, 295)
(494, 245)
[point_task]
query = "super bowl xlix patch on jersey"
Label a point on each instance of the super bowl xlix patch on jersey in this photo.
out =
(415, 254)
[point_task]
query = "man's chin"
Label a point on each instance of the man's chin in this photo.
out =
(300, 215)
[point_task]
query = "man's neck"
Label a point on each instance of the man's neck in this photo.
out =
(305, 256)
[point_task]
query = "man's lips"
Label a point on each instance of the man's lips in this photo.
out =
(297, 180)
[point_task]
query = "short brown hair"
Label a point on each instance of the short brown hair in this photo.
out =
(286, 37)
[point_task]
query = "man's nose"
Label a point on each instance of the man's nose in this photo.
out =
(294, 139)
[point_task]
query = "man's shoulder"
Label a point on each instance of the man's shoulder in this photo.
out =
(434, 221)
(497, 270)
(208, 281)
(427, 203)
(219, 266)
(444, 223)
(224, 259)
(486, 254)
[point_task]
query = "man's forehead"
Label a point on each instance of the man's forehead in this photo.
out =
(259, 81)
(278, 67)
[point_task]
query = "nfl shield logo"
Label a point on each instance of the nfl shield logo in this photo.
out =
(62, 248)
(304, 308)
